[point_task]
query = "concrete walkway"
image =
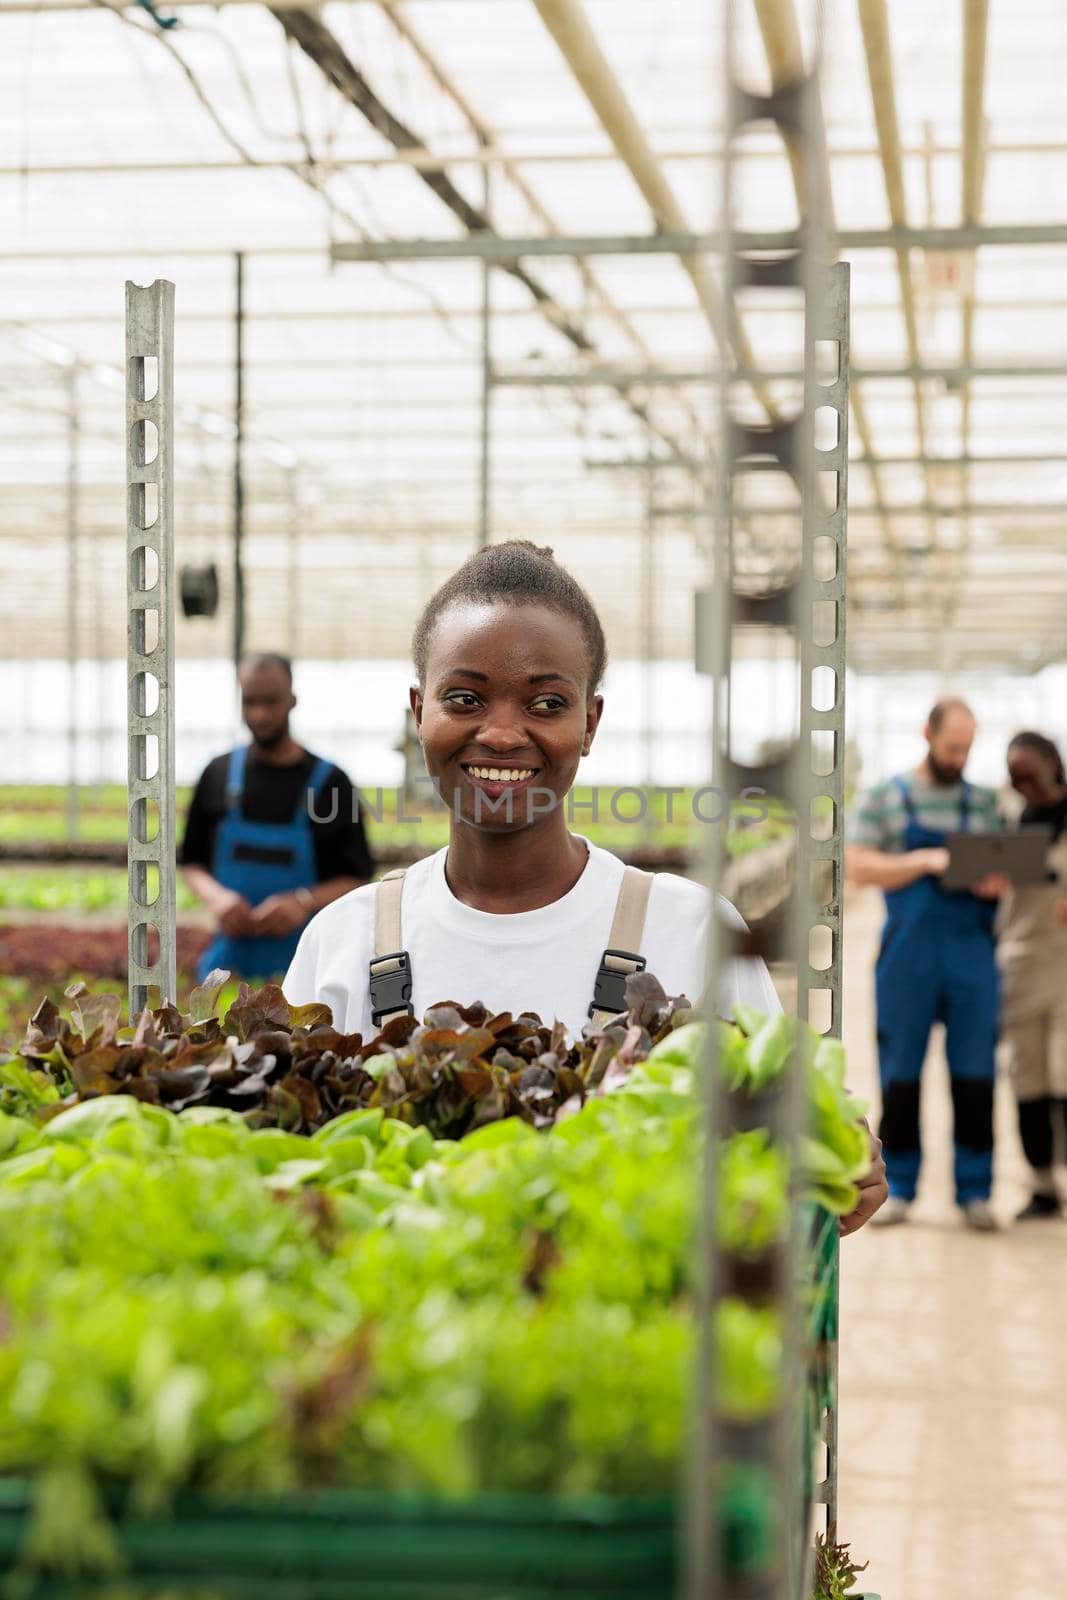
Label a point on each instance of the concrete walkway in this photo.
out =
(953, 1363)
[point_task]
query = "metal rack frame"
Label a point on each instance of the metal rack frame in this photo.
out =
(150, 638)
(822, 651)
(806, 608)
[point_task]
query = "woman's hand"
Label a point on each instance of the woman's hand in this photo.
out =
(873, 1188)
(992, 886)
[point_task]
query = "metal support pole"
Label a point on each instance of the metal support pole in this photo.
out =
(238, 462)
(648, 641)
(821, 824)
(72, 604)
(98, 587)
(485, 461)
(822, 639)
(292, 598)
(150, 637)
(788, 609)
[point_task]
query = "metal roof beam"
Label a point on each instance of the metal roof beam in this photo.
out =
(972, 172)
(486, 137)
(975, 35)
(782, 44)
(1032, 459)
(569, 27)
(976, 508)
(323, 48)
(874, 23)
(687, 244)
(969, 236)
(437, 159)
(494, 247)
(14, 7)
(577, 42)
(784, 49)
(472, 309)
(617, 375)
(770, 243)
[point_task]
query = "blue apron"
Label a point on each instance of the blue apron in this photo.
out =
(259, 859)
(936, 964)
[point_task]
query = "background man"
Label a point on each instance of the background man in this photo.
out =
(936, 961)
(273, 834)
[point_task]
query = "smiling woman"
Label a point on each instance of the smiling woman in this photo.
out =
(517, 912)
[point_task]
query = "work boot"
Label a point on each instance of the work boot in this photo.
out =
(895, 1210)
(978, 1214)
(1039, 1205)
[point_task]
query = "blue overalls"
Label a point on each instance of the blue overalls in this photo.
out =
(936, 964)
(259, 859)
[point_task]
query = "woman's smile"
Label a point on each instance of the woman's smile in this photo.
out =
(500, 774)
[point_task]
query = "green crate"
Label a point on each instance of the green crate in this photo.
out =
(342, 1546)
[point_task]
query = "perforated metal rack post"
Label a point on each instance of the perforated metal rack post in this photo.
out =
(792, 609)
(150, 637)
(821, 841)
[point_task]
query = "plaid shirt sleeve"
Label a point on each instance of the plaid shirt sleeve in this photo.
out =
(867, 823)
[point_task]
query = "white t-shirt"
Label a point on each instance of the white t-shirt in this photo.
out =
(544, 961)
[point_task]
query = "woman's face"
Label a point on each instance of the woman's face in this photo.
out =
(1033, 776)
(506, 711)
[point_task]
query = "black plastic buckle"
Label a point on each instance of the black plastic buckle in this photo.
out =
(609, 993)
(390, 992)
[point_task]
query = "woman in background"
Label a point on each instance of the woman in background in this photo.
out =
(1032, 957)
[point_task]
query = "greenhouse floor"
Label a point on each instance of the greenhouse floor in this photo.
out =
(953, 1363)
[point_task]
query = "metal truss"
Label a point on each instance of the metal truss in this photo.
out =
(496, 248)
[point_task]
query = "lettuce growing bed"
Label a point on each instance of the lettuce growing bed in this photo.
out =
(417, 1320)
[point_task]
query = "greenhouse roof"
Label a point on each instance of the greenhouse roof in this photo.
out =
(158, 141)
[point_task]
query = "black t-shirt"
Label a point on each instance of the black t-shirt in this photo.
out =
(273, 794)
(1054, 815)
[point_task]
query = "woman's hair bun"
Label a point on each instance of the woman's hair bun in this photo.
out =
(545, 551)
(517, 572)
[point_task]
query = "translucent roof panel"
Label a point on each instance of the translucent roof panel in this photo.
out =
(136, 151)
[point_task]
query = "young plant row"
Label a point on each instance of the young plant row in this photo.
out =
(471, 1274)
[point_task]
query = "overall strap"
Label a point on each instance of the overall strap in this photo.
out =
(316, 780)
(235, 777)
(905, 795)
(965, 806)
(319, 773)
(390, 966)
(620, 959)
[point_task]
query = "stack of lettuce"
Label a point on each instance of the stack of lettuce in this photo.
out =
(417, 1321)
